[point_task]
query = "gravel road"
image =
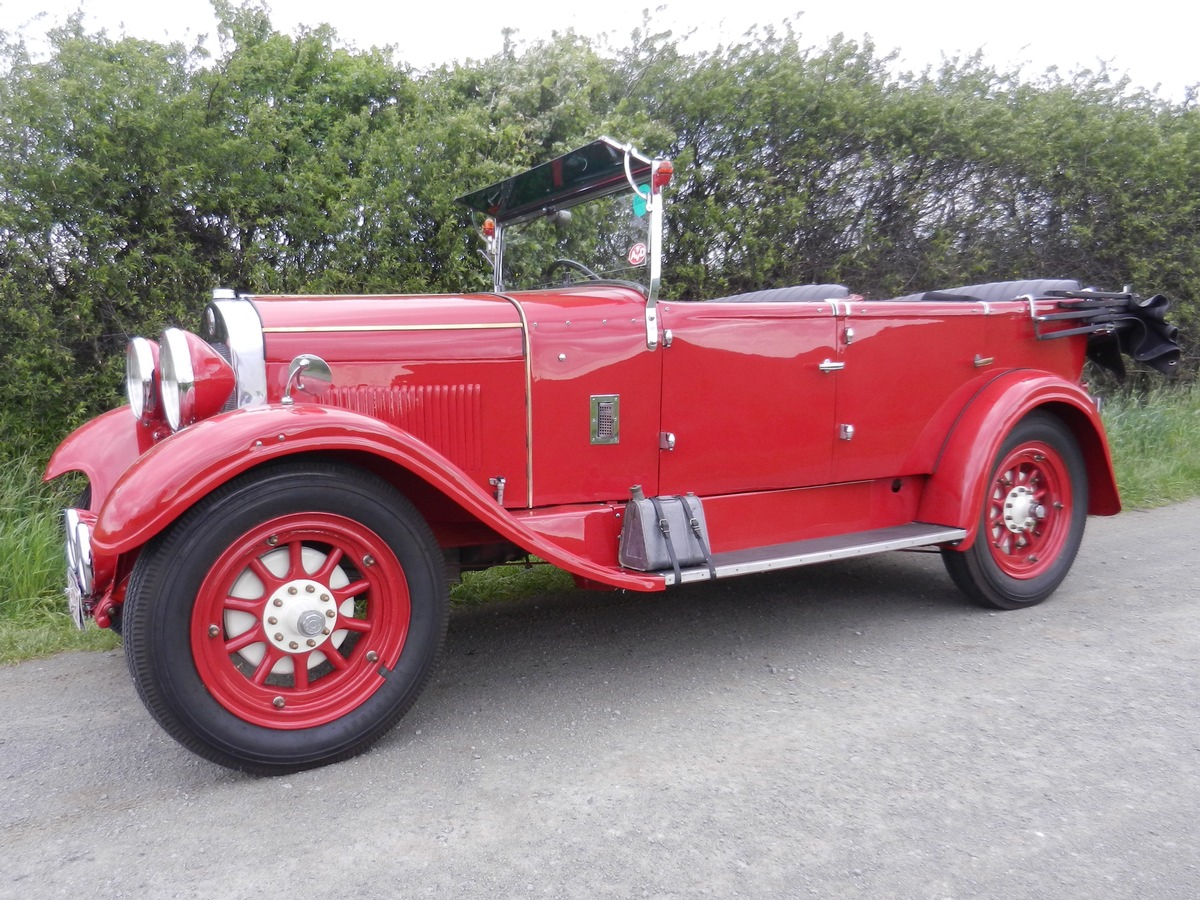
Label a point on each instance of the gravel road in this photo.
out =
(854, 729)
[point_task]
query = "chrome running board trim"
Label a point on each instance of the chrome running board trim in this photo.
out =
(819, 550)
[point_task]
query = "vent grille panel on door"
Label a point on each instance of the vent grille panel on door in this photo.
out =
(606, 419)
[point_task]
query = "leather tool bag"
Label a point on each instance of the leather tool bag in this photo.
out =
(664, 533)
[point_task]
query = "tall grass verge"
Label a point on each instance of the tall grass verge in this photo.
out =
(1155, 441)
(33, 610)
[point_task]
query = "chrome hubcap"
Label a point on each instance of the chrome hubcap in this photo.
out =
(297, 616)
(1021, 510)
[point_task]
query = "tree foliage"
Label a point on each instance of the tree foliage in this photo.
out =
(137, 176)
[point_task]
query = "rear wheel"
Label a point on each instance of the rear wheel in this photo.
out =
(288, 620)
(1032, 520)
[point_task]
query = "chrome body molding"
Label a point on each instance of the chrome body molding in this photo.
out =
(528, 353)
(347, 329)
(234, 323)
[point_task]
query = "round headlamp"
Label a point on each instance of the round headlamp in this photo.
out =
(178, 379)
(196, 380)
(141, 383)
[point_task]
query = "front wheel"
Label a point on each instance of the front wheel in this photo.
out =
(1032, 520)
(288, 620)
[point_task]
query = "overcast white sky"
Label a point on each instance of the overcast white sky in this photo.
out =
(1151, 40)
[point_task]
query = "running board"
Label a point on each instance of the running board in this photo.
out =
(819, 550)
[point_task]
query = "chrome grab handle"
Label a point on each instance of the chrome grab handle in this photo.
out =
(830, 366)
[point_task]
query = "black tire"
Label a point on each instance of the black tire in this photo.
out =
(204, 659)
(1032, 518)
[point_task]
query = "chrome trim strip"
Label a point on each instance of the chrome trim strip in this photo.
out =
(341, 329)
(528, 351)
(807, 553)
(242, 330)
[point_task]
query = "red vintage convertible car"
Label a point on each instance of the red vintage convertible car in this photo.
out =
(274, 516)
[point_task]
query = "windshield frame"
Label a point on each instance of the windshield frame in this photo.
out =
(602, 168)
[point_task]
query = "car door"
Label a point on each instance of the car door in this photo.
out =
(907, 371)
(748, 396)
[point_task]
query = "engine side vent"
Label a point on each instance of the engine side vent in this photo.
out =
(606, 418)
(448, 417)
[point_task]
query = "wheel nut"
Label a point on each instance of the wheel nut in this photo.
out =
(325, 598)
(213, 630)
(310, 588)
(272, 621)
(368, 560)
(372, 656)
(293, 590)
(278, 703)
(294, 645)
(330, 613)
(311, 642)
(277, 602)
(278, 636)
(309, 623)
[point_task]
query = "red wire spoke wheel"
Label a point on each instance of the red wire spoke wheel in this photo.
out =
(1032, 520)
(1028, 510)
(289, 619)
(298, 619)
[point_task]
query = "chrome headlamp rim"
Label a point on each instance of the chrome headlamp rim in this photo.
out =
(140, 387)
(178, 378)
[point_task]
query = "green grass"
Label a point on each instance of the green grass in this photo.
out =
(1155, 440)
(509, 583)
(33, 610)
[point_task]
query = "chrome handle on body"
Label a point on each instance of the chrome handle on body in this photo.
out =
(830, 366)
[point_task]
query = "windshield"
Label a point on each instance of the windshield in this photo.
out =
(602, 239)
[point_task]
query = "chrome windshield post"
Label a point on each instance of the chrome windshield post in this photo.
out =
(497, 241)
(654, 209)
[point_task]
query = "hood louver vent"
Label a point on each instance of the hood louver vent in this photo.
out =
(448, 417)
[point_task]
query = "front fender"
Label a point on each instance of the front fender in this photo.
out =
(178, 472)
(102, 449)
(955, 492)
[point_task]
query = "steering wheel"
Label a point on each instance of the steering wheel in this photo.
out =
(564, 263)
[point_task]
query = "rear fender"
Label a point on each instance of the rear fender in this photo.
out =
(178, 472)
(955, 491)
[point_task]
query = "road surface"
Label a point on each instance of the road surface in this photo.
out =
(850, 730)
